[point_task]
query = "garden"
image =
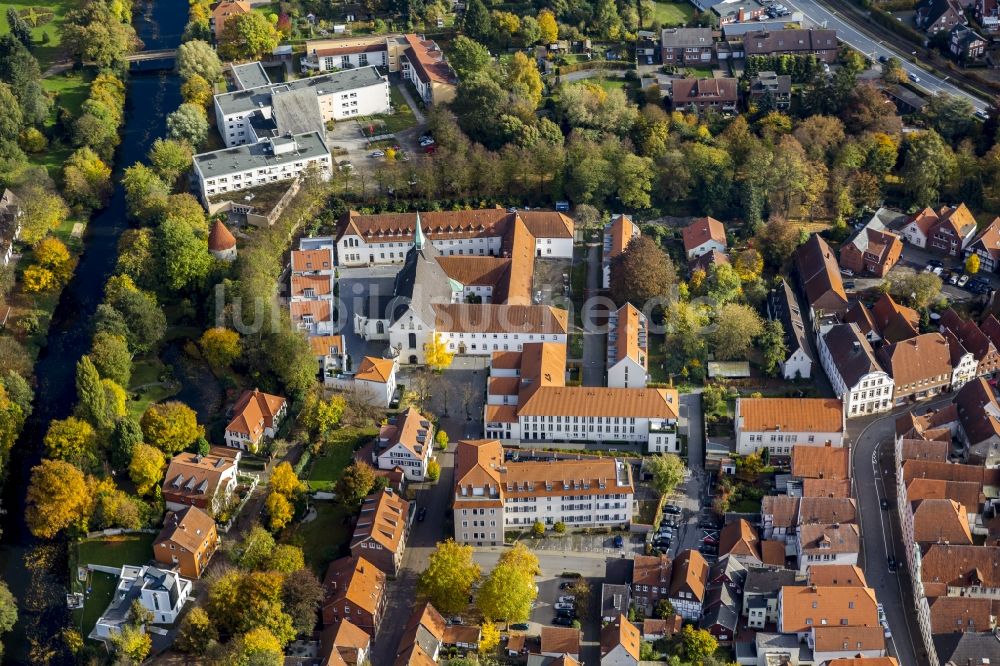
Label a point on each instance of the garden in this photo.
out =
(99, 587)
(44, 21)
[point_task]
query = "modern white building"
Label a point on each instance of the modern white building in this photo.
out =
(163, 593)
(857, 378)
(492, 495)
(628, 346)
(777, 424)
(303, 105)
(329, 55)
(407, 442)
(268, 161)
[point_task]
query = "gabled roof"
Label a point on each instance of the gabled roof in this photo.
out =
(341, 641)
(821, 415)
(836, 575)
(893, 321)
(922, 358)
(960, 614)
(382, 520)
(827, 510)
(959, 566)
(978, 411)
(784, 510)
(856, 639)
(941, 521)
(851, 353)
(428, 61)
(690, 573)
(194, 476)
(621, 632)
(967, 648)
(829, 538)
(373, 369)
(324, 345)
(826, 488)
(411, 430)
(804, 608)
(988, 240)
(618, 234)
(821, 462)
(967, 493)
(688, 91)
(560, 640)
(651, 570)
(356, 580)
(702, 230)
(477, 463)
(422, 637)
(254, 410)
(783, 305)
(630, 335)
(819, 274)
(739, 538)
(493, 318)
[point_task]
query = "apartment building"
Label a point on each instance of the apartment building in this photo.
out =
(719, 95)
(187, 541)
(779, 423)
(820, 43)
(528, 400)
(492, 495)
(920, 367)
(827, 544)
(302, 105)
(381, 531)
(628, 348)
(687, 47)
(355, 590)
(270, 160)
(833, 621)
(771, 88)
(407, 442)
(617, 235)
(980, 341)
(353, 52)
(857, 378)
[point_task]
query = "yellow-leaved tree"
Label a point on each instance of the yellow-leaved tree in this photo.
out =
(436, 354)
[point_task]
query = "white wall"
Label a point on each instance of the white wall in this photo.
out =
(626, 373)
(352, 60)
(781, 443)
(797, 365)
(705, 248)
(239, 180)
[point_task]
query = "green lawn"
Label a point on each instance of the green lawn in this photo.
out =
(699, 72)
(673, 13)
(147, 371)
(745, 506)
(401, 119)
(326, 469)
(611, 84)
(323, 537)
(71, 90)
(49, 17)
(112, 552)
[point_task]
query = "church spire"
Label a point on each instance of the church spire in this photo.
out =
(418, 236)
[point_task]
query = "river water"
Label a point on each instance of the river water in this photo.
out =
(149, 98)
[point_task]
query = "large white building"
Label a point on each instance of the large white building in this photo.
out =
(268, 161)
(628, 348)
(857, 378)
(492, 495)
(528, 401)
(303, 105)
(407, 442)
(163, 593)
(777, 424)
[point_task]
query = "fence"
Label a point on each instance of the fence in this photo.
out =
(118, 531)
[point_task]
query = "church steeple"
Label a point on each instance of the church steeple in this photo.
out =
(418, 236)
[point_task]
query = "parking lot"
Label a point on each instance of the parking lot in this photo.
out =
(632, 544)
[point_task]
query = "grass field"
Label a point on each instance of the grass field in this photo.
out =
(71, 90)
(50, 16)
(147, 372)
(612, 84)
(699, 72)
(401, 119)
(323, 537)
(673, 13)
(326, 469)
(112, 552)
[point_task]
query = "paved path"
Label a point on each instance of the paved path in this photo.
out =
(595, 344)
(873, 466)
(417, 113)
(859, 37)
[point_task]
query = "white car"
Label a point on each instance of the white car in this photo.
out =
(426, 142)
(953, 279)
(938, 270)
(377, 153)
(563, 606)
(963, 280)
(566, 599)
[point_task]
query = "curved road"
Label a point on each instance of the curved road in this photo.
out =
(873, 469)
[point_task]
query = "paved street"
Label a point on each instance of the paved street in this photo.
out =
(595, 344)
(874, 478)
(873, 47)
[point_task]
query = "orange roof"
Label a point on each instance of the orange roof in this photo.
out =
(565, 477)
(945, 565)
(829, 538)
(220, 239)
(477, 463)
(651, 570)
(189, 528)
(821, 462)
(505, 360)
(772, 552)
(356, 580)
(474, 270)
(515, 286)
(320, 284)
(740, 539)
(783, 510)
(228, 8)
(941, 521)
(702, 230)
(959, 614)
(690, 574)
(826, 488)
(341, 641)
(827, 510)
(988, 239)
(411, 430)
(837, 575)
(503, 385)
(621, 230)
(254, 412)
(424, 620)
(382, 520)
(324, 345)
(864, 661)
(601, 402)
(920, 449)
(621, 632)
(958, 218)
(792, 415)
(806, 608)
(631, 335)
(967, 493)
(560, 640)
(428, 61)
(501, 413)
(318, 310)
(373, 369)
(841, 638)
(312, 260)
(493, 318)
(437, 225)
(922, 358)
(541, 364)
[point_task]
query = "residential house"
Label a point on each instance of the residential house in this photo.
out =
(617, 235)
(965, 43)
(423, 64)
(620, 643)
(331, 353)
(616, 598)
(771, 90)
(407, 442)
(492, 496)
(820, 462)
(827, 544)
(355, 590)
(951, 615)
(988, 14)
(833, 621)
(162, 593)
(964, 367)
(707, 261)
(826, 488)
(819, 276)
(559, 641)
(783, 306)
(920, 367)
(654, 630)
(225, 10)
(375, 380)
(381, 531)
(720, 95)
(647, 48)
(187, 541)
(256, 415)
(721, 608)
(956, 649)
(687, 47)
(939, 521)
(739, 541)
(628, 348)
(979, 423)
(827, 511)
(779, 516)
(872, 249)
(934, 16)
(820, 43)
(885, 321)
(836, 575)
(344, 644)
(856, 376)
(704, 235)
(986, 246)
(462, 636)
(760, 594)
(689, 577)
(651, 579)
(778, 423)
(206, 482)
(422, 638)
(948, 230)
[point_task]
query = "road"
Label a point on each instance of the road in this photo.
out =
(595, 343)
(873, 468)
(874, 47)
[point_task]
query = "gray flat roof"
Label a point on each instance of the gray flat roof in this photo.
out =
(248, 100)
(250, 75)
(259, 155)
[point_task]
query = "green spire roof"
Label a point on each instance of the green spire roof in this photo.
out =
(418, 237)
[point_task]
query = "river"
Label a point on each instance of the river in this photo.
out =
(149, 98)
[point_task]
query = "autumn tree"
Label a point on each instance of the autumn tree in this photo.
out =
(196, 90)
(241, 601)
(777, 240)
(748, 264)
(247, 37)
(489, 640)
(52, 254)
(507, 593)
(198, 58)
(279, 511)
(220, 346)
(57, 498)
(255, 550)
(110, 355)
(436, 354)
(450, 574)
(972, 264)
(12, 417)
(667, 470)
(697, 644)
(433, 470)
(171, 426)
(641, 273)
(171, 158)
(196, 632)
(44, 210)
(146, 468)
(468, 57)
(286, 558)
(320, 416)
(284, 480)
(548, 26)
(928, 165)
(356, 483)
(132, 644)
(86, 179)
(257, 647)
(521, 558)
(736, 328)
(919, 290)
(8, 610)
(72, 440)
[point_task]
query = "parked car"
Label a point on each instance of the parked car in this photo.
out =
(881, 612)
(706, 549)
(520, 626)
(619, 541)
(936, 263)
(565, 585)
(566, 612)
(849, 285)
(455, 619)
(672, 510)
(562, 621)
(953, 278)
(928, 268)
(963, 280)
(847, 271)
(567, 599)
(563, 605)
(938, 270)
(883, 59)
(377, 153)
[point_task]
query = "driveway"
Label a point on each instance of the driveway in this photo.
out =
(595, 342)
(873, 469)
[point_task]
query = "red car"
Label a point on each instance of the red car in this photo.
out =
(430, 149)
